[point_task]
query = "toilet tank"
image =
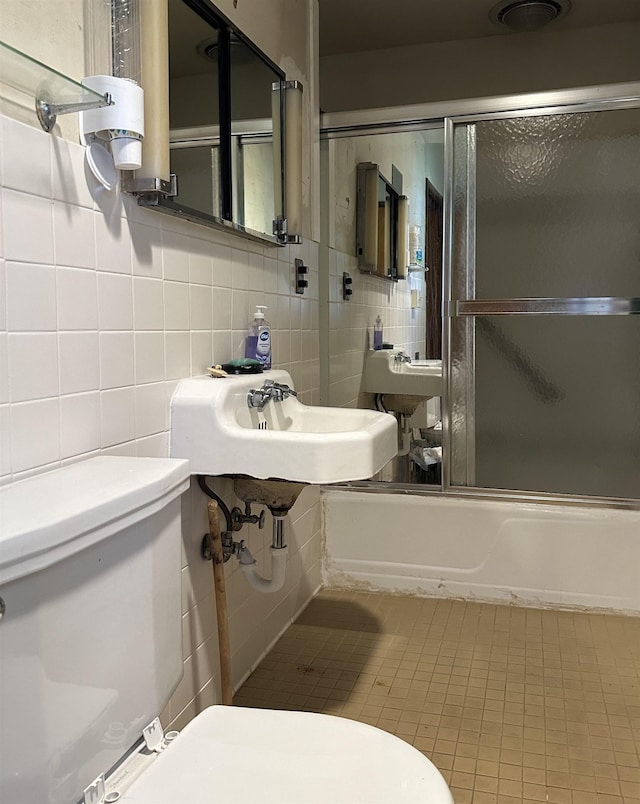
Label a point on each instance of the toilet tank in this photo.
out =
(90, 634)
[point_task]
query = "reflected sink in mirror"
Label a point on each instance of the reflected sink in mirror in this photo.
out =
(214, 425)
(387, 371)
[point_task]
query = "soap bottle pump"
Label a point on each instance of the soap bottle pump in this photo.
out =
(258, 344)
(377, 333)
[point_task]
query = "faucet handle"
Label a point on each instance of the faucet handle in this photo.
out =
(282, 389)
(256, 398)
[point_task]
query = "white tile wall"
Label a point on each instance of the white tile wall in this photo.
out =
(77, 299)
(79, 355)
(103, 307)
(32, 290)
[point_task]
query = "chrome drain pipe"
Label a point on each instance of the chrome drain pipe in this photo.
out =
(278, 561)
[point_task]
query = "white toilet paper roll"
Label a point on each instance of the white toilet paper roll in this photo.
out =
(127, 111)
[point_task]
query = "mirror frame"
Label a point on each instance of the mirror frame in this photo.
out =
(369, 237)
(226, 31)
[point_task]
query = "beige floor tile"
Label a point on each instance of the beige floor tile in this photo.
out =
(513, 705)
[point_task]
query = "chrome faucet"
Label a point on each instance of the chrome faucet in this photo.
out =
(402, 357)
(258, 397)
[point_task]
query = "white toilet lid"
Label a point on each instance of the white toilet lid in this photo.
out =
(234, 755)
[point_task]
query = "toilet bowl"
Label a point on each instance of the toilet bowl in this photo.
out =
(91, 650)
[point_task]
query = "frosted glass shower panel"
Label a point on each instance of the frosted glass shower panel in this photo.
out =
(557, 404)
(545, 294)
(558, 205)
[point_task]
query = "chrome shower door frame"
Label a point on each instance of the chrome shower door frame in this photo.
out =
(460, 307)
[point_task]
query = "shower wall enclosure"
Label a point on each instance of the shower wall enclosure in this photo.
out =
(541, 348)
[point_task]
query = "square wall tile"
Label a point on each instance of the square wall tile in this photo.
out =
(200, 262)
(241, 315)
(117, 413)
(270, 275)
(223, 347)
(113, 244)
(175, 256)
(222, 308)
(33, 365)
(239, 269)
(177, 354)
(79, 424)
(148, 305)
(35, 434)
(201, 352)
(28, 228)
(221, 266)
(115, 301)
(149, 351)
(31, 297)
(176, 305)
(256, 272)
(116, 359)
(26, 158)
(3, 292)
(201, 307)
(151, 409)
(79, 361)
(77, 294)
(4, 368)
(146, 250)
(70, 173)
(74, 236)
(5, 440)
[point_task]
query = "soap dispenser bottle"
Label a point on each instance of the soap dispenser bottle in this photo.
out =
(377, 333)
(258, 344)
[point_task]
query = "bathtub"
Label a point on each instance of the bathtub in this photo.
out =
(503, 552)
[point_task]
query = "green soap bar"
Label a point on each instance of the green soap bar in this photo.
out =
(244, 365)
(244, 361)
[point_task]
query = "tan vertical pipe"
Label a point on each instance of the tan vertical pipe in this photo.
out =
(221, 603)
(154, 62)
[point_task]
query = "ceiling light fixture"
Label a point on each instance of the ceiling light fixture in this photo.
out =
(528, 15)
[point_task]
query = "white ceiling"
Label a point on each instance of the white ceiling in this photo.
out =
(349, 26)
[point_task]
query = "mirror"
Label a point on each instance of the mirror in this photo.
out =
(410, 308)
(221, 102)
(381, 241)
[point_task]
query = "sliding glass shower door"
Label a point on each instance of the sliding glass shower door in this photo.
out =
(544, 300)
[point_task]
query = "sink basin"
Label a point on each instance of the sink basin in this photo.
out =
(213, 426)
(383, 374)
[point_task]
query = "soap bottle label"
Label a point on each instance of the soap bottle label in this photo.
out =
(263, 348)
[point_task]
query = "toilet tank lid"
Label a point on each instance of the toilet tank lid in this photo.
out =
(45, 518)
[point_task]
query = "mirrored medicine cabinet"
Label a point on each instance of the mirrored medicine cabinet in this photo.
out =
(381, 223)
(226, 107)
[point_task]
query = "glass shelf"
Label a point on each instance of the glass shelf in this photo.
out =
(385, 277)
(52, 91)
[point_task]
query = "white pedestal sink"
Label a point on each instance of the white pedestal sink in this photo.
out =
(214, 427)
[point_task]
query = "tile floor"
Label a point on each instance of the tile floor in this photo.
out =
(513, 705)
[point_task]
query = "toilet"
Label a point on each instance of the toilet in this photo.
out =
(91, 650)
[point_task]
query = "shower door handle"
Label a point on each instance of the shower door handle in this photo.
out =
(585, 305)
